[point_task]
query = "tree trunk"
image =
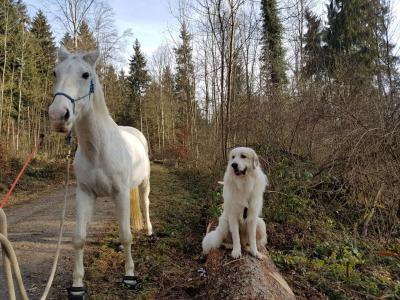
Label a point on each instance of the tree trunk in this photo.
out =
(3, 77)
(245, 278)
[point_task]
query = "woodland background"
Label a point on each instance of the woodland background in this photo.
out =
(316, 94)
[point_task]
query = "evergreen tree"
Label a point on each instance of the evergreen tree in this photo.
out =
(138, 80)
(312, 41)
(167, 83)
(388, 64)
(273, 54)
(43, 36)
(351, 50)
(67, 41)
(86, 40)
(184, 82)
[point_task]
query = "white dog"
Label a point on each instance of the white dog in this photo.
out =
(244, 185)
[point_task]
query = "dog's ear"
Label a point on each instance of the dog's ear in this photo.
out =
(256, 161)
(229, 154)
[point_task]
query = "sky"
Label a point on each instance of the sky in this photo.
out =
(152, 22)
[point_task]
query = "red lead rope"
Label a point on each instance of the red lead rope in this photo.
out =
(28, 160)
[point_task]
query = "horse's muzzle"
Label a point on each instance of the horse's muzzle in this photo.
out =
(59, 127)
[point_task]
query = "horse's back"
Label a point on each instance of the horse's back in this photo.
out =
(136, 133)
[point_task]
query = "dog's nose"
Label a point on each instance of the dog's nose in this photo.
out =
(234, 165)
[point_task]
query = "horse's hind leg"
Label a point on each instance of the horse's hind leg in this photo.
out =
(84, 210)
(125, 236)
(144, 191)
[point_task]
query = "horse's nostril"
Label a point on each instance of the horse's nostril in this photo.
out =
(66, 116)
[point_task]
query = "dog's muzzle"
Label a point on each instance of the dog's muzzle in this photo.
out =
(236, 170)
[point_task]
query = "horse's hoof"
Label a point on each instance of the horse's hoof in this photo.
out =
(77, 293)
(131, 282)
(152, 238)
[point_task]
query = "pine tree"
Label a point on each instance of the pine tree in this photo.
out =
(313, 56)
(67, 41)
(351, 50)
(388, 75)
(43, 36)
(86, 40)
(138, 80)
(273, 54)
(184, 82)
(168, 84)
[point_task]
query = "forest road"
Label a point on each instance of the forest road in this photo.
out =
(33, 228)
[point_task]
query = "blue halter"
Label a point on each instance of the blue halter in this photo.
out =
(91, 91)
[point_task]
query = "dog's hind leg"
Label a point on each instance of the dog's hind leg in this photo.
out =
(214, 239)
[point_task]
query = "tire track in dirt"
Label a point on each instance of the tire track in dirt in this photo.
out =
(33, 229)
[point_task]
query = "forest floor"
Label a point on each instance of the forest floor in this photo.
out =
(310, 237)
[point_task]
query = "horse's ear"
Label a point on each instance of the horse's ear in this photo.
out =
(62, 54)
(91, 57)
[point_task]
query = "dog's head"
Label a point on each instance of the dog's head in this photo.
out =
(242, 160)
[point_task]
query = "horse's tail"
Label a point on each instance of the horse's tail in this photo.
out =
(136, 214)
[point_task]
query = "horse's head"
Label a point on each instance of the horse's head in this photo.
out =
(74, 87)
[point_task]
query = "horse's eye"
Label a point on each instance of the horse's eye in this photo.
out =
(54, 74)
(85, 75)
(243, 156)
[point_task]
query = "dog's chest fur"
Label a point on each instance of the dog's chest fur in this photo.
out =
(238, 195)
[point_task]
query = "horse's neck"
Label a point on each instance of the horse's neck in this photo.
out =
(95, 128)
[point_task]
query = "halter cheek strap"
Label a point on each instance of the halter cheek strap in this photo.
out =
(73, 100)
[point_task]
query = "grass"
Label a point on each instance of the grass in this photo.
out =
(167, 263)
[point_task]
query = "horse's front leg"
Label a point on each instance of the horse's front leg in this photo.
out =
(84, 210)
(125, 236)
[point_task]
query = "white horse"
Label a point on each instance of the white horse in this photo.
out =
(110, 160)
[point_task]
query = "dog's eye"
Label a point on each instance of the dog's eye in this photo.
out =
(85, 75)
(54, 74)
(233, 156)
(243, 156)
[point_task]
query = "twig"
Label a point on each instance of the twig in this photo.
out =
(232, 261)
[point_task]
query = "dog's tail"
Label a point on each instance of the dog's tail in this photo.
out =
(261, 232)
(136, 214)
(214, 239)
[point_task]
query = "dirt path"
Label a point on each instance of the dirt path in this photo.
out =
(33, 228)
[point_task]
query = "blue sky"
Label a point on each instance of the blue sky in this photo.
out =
(149, 20)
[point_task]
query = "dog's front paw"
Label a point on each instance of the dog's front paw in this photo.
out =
(236, 253)
(258, 255)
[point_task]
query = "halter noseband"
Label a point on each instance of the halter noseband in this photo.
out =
(91, 91)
